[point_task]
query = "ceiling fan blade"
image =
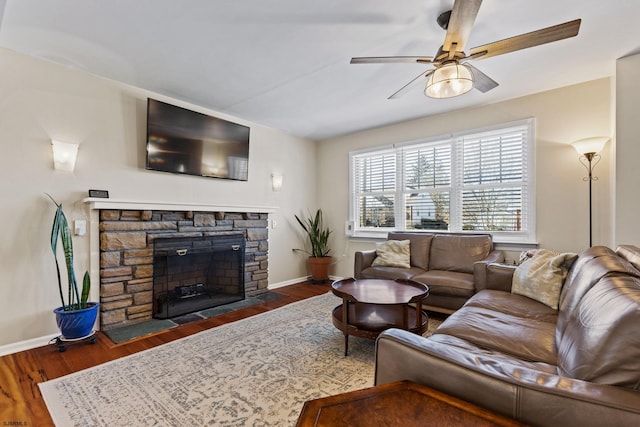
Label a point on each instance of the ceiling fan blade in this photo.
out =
(404, 89)
(463, 15)
(523, 41)
(391, 59)
(481, 81)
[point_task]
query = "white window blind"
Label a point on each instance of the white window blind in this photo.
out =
(427, 185)
(374, 177)
(494, 171)
(477, 181)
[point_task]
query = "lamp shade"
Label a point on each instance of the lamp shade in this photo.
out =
(590, 145)
(449, 80)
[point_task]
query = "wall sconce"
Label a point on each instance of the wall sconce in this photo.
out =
(276, 181)
(64, 155)
(588, 150)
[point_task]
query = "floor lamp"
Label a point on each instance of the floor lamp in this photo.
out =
(588, 150)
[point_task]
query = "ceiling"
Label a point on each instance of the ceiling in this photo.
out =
(285, 63)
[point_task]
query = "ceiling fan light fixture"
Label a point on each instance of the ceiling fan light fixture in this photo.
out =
(448, 81)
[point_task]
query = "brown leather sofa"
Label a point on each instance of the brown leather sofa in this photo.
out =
(575, 366)
(452, 265)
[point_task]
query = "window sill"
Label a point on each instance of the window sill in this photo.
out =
(515, 246)
(500, 244)
(369, 235)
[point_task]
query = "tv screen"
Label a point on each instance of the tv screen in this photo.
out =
(192, 143)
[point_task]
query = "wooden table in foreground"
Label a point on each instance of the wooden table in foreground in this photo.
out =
(402, 404)
(370, 306)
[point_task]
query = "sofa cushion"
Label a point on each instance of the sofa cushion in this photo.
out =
(420, 247)
(391, 273)
(492, 360)
(392, 253)
(584, 258)
(458, 252)
(630, 253)
(541, 276)
(524, 338)
(450, 283)
(601, 342)
(592, 265)
(515, 305)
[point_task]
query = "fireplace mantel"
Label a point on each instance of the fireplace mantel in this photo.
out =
(96, 203)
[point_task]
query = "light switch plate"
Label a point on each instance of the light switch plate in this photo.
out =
(348, 228)
(80, 227)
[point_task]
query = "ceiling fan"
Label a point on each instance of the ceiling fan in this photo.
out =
(452, 74)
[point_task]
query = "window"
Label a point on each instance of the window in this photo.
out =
(478, 181)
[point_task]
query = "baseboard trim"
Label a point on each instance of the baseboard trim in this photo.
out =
(26, 345)
(297, 280)
(286, 283)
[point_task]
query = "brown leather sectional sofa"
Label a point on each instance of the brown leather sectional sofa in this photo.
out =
(452, 265)
(575, 366)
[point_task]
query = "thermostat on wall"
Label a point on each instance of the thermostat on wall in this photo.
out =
(103, 194)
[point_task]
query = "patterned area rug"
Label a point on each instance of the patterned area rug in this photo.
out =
(255, 372)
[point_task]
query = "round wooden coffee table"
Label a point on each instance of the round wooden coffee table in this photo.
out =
(370, 306)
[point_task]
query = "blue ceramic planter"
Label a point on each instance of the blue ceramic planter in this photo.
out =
(77, 323)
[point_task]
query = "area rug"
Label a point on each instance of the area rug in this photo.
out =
(257, 371)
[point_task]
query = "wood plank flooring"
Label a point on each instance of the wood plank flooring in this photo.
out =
(21, 403)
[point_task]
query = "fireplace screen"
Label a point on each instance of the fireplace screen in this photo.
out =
(196, 273)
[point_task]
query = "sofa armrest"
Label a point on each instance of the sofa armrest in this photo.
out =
(522, 390)
(480, 269)
(363, 259)
(493, 276)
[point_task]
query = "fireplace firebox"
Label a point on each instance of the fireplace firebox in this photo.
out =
(192, 274)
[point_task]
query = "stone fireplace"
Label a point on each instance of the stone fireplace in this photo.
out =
(126, 254)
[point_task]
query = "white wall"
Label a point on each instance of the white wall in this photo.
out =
(627, 151)
(562, 116)
(40, 101)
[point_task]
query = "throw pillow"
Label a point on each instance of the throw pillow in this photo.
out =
(541, 277)
(393, 253)
(525, 255)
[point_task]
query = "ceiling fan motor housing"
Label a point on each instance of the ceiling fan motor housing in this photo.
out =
(443, 19)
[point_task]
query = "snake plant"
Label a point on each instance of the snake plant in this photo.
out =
(60, 232)
(317, 233)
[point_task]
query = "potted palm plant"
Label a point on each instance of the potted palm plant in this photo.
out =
(76, 316)
(318, 234)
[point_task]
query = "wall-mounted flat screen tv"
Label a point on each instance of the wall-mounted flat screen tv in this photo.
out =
(192, 143)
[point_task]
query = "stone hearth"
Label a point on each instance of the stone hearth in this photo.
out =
(126, 254)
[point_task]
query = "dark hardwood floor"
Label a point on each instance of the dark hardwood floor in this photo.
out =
(21, 403)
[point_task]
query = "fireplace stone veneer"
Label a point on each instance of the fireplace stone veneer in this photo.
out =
(126, 255)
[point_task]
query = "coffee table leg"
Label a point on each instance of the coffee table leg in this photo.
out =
(345, 324)
(346, 344)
